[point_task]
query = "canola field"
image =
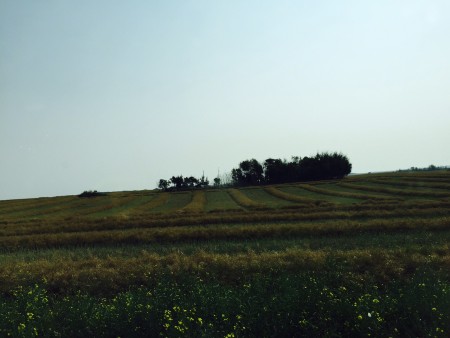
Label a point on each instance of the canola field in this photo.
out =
(365, 256)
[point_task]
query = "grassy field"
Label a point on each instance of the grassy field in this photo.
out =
(365, 256)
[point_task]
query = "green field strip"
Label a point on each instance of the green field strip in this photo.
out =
(42, 209)
(197, 203)
(241, 198)
(334, 190)
(176, 201)
(116, 201)
(414, 184)
(37, 206)
(377, 187)
(415, 177)
(19, 208)
(74, 207)
(124, 207)
(156, 200)
(92, 274)
(259, 195)
(10, 206)
(426, 186)
(318, 197)
(341, 187)
(425, 179)
(224, 232)
(257, 217)
(411, 240)
(86, 206)
(26, 203)
(93, 205)
(80, 207)
(220, 200)
(430, 178)
(295, 198)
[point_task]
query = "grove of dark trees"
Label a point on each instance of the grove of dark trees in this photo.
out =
(273, 171)
(91, 193)
(322, 166)
(183, 183)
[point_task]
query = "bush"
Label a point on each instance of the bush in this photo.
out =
(91, 193)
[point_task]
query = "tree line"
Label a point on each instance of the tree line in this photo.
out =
(322, 166)
(272, 171)
(431, 167)
(183, 183)
(91, 193)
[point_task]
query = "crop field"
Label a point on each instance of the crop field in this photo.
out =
(368, 255)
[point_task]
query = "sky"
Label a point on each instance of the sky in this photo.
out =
(113, 95)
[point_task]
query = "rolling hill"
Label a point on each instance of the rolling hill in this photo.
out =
(366, 254)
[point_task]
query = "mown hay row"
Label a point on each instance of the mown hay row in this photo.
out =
(312, 188)
(116, 204)
(393, 191)
(221, 232)
(418, 178)
(108, 275)
(80, 207)
(35, 206)
(240, 198)
(197, 203)
(358, 211)
(160, 199)
(19, 203)
(112, 274)
(288, 197)
(219, 201)
(402, 175)
(413, 184)
(85, 206)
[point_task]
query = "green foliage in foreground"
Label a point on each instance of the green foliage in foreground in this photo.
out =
(301, 304)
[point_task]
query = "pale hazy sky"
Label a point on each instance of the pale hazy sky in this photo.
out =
(113, 95)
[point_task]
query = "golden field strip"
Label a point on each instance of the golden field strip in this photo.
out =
(115, 273)
(115, 241)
